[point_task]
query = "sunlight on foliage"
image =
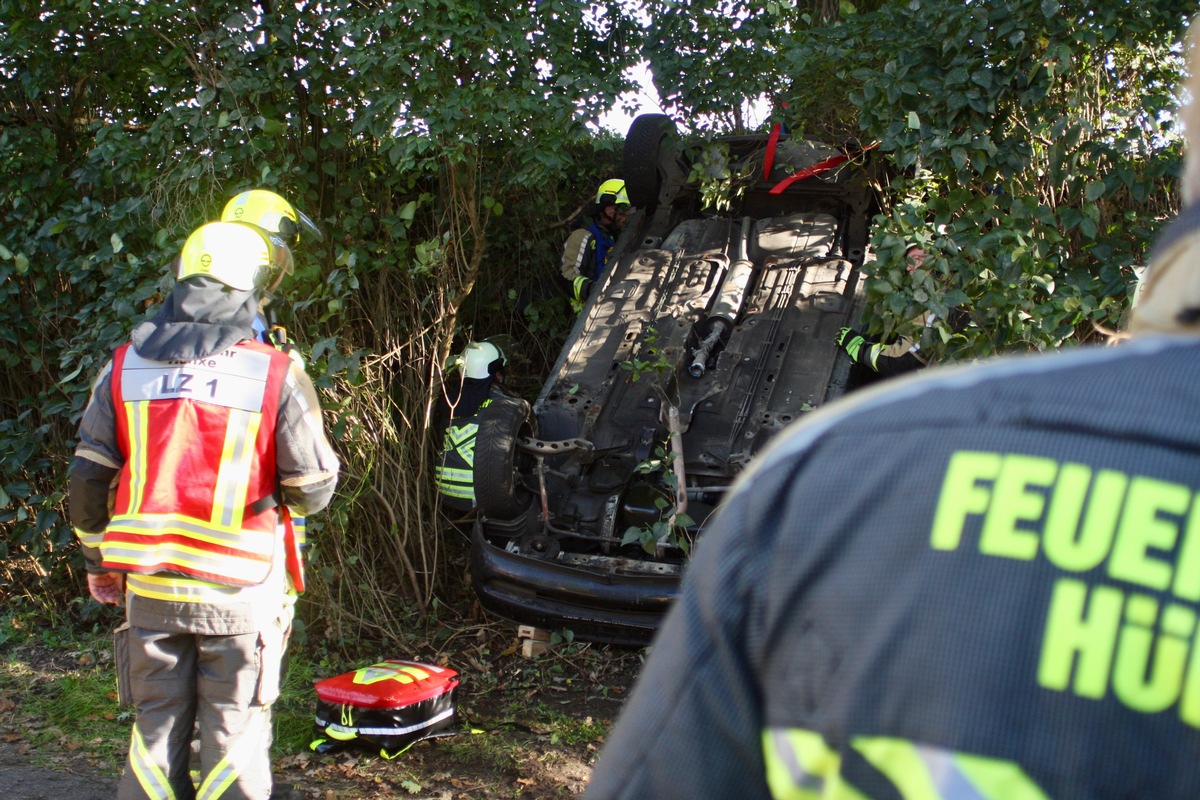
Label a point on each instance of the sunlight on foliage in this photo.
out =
(1032, 151)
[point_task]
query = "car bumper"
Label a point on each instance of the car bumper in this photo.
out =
(593, 605)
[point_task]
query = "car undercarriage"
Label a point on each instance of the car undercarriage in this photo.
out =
(709, 332)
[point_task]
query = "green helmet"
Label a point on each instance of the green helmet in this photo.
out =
(612, 192)
(241, 256)
(270, 212)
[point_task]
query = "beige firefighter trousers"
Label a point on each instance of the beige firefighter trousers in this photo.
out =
(220, 686)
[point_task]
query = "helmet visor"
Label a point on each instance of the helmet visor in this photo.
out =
(281, 262)
(306, 224)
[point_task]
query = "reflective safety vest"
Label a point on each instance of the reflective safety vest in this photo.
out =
(802, 766)
(197, 495)
(585, 256)
(455, 471)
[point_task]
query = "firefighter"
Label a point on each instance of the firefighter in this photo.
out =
(475, 377)
(901, 356)
(276, 216)
(273, 214)
(982, 582)
(211, 440)
(585, 254)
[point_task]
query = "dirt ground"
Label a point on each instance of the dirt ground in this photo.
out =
(528, 729)
(66, 777)
(515, 751)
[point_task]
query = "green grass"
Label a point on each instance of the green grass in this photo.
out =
(295, 709)
(60, 694)
(541, 720)
(568, 729)
(61, 684)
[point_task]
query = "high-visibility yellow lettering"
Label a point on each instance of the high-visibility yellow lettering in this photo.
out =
(1187, 566)
(1081, 632)
(1016, 507)
(1189, 705)
(1078, 537)
(1148, 675)
(1142, 530)
(1143, 527)
(1100, 638)
(1113, 631)
(962, 496)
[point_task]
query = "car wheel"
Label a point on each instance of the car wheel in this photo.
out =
(499, 492)
(643, 143)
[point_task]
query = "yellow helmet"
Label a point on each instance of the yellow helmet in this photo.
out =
(270, 212)
(612, 192)
(241, 256)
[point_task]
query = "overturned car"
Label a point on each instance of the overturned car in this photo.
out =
(707, 334)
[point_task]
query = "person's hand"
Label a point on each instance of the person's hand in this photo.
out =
(107, 587)
(849, 340)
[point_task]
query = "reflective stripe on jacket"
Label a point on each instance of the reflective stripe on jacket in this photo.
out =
(455, 472)
(195, 494)
(802, 766)
(586, 252)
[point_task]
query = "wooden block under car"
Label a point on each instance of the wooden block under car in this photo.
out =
(534, 641)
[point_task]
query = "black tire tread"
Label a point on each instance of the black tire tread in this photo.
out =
(643, 182)
(498, 490)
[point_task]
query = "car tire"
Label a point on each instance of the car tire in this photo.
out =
(643, 143)
(499, 492)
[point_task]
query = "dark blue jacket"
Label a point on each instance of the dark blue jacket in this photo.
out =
(966, 579)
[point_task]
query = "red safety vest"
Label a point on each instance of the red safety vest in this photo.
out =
(196, 495)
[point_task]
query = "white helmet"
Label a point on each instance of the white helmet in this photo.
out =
(482, 360)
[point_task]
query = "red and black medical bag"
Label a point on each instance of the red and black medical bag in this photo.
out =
(387, 706)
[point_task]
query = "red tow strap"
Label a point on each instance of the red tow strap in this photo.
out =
(772, 143)
(815, 169)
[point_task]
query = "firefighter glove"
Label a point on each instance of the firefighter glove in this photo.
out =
(581, 287)
(850, 340)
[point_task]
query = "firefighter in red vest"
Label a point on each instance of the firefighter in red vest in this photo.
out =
(209, 440)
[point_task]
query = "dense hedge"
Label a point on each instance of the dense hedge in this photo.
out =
(441, 170)
(1034, 141)
(442, 146)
